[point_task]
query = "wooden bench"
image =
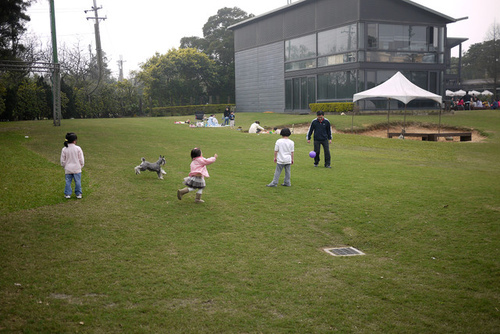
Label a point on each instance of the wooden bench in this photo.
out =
(464, 136)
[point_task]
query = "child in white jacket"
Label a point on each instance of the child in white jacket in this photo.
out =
(72, 160)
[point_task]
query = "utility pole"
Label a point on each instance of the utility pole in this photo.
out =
(120, 68)
(97, 36)
(56, 75)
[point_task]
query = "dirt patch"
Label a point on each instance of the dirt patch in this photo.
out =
(381, 132)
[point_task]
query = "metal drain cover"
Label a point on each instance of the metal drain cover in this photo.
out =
(343, 251)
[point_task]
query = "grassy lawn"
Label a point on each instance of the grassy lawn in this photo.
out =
(131, 258)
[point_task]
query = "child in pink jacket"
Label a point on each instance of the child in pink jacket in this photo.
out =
(196, 178)
(72, 160)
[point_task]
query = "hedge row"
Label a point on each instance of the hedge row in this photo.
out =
(208, 109)
(332, 107)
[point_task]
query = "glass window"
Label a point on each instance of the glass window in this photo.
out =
(303, 95)
(337, 40)
(300, 65)
(419, 78)
(371, 79)
(403, 37)
(361, 35)
(300, 48)
(311, 90)
(288, 94)
(401, 57)
(299, 93)
(441, 40)
(372, 35)
(433, 82)
(337, 59)
(296, 93)
(336, 85)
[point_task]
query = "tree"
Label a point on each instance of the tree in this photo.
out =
(177, 76)
(218, 44)
(219, 39)
(481, 61)
(194, 42)
(31, 101)
(12, 26)
(127, 97)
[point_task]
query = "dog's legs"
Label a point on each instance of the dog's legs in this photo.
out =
(137, 170)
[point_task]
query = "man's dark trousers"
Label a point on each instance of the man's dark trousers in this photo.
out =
(326, 149)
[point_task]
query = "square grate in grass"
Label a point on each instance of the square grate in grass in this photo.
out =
(343, 251)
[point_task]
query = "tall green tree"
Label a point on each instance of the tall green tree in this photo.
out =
(218, 44)
(481, 61)
(13, 18)
(31, 101)
(177, 77)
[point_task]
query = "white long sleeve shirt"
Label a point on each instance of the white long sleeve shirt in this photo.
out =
(254, 127)
(72, 159)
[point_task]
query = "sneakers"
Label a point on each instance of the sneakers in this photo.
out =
(79, 196)
(270, 185)
(328, 166)
(286, 185)
(67, 196)
(315, 165)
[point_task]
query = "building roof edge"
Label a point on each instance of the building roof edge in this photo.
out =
(257, 17)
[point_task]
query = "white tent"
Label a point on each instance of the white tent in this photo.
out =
(398, 88)
(449, 93)
(487, 93)
(460, 93)
(474, 92)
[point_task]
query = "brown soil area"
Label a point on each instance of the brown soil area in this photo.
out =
(382, 132)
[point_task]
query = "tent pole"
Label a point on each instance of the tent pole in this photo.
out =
(352, 122)
(440, 108)
(388, 112)
(404, 123)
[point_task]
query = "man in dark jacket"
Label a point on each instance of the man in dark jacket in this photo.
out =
(467, 101)
(322, 136)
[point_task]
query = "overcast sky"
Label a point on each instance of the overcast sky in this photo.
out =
(136, 30)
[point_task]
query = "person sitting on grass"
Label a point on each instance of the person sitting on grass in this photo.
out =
(255, 127)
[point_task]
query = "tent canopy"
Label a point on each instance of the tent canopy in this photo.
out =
(398, 88)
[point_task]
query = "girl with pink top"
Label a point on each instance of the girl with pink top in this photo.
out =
(72, 160)
(196, 178)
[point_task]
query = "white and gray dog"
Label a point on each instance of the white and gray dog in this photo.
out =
(153, 167)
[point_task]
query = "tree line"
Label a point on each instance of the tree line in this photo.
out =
(199, 71)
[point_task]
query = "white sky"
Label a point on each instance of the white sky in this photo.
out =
(136, 30)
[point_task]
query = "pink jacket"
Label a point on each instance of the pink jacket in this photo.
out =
(72, 159)
(199, 166)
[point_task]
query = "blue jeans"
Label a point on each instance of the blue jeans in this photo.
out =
(78, 184)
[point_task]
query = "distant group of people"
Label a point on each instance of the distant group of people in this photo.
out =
(470, 102)
(227, 119)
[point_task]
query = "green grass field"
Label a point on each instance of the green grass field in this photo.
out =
(131, 258)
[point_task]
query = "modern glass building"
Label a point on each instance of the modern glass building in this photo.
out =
(327, 50)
